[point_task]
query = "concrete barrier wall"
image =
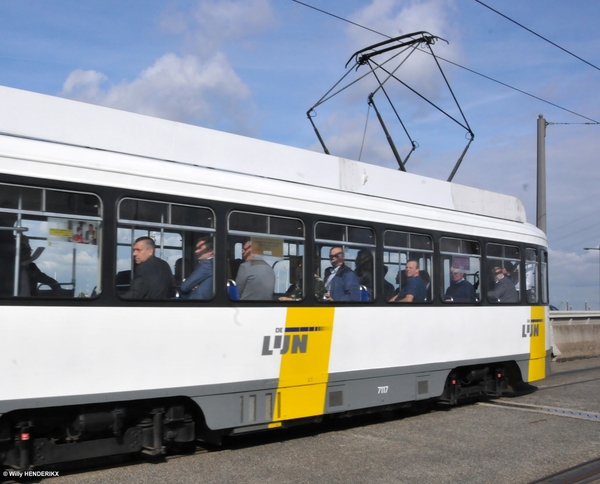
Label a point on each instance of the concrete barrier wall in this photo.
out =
(575, 334)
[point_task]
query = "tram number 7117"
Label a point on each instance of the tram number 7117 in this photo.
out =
(382, 389)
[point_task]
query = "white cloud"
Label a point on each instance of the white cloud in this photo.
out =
(179, 88)
(221, 21)
(575, 279)
(198, 87)
(84, 85)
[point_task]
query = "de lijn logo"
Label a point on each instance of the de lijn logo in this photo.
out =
(531, 329)
(288, 340)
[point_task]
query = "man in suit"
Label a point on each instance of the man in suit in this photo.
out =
(341, 282)
(153, 278)
(199, 284)
(504, 290)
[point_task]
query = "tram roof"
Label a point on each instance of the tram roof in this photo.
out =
(38, 116)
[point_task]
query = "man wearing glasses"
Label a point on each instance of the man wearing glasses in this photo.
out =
(199, 285)
(341, 282)
(255, 279)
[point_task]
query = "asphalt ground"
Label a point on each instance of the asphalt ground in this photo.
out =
(510, 440)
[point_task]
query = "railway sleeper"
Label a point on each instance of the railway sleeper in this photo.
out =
(94, 435)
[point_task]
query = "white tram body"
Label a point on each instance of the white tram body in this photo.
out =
(99, 375)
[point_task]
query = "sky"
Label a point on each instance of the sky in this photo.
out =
(255, 67)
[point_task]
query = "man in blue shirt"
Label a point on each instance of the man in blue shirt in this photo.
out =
(414, 290)
(199, 285)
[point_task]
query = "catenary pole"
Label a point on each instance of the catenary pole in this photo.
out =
(541, 173)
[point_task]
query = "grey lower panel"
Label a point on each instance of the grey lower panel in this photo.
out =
(384, 390)
(237, 409)
(252, 403)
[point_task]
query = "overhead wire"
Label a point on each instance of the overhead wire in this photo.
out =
(537, 35)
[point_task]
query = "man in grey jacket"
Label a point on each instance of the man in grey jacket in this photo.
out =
(255, 278)
(504, 291)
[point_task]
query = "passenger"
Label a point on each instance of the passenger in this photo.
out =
(364, 270)
(320, 290)
(90, 235)
(199, 285)
(401, 282)
(181, 270)
(294, 292)
(255, 278)
(341, 283)
(414, 290)
(78, 237)
(152, 278)
(504, 290)
(388, 287)
(30, 275)
(460, 290)
(511, 271)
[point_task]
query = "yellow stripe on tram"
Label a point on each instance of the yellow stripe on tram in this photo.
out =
(537, 344)
(304, 369)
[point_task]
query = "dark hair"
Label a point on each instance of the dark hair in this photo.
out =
(150, 244)
(364, 261)
(208, 240)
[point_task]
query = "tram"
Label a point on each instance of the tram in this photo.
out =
(87, 371)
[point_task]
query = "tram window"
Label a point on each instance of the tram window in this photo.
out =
(191, 216)
(324, 231)
(500, 251)
(361, 235)
(287, 226)
(503, 280)
(25, 198)
(544, 277)
(416, 251)
(531, 276)
(393, 238)
(52, 237)
(460, 267)
(265, 256)
(71, 203)
(143, 210)
(248, 222)
(344, 271)
(175, 230)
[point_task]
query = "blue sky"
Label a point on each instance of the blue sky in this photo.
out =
(255, 67)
